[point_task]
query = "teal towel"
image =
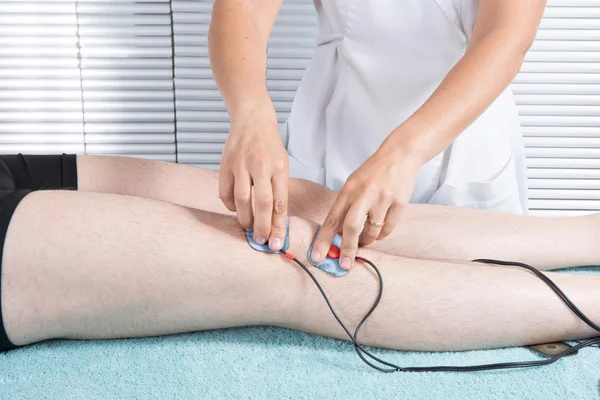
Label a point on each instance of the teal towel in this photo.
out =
(276, 363)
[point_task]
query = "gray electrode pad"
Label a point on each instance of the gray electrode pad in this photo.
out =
(329, 265)
(265, 247)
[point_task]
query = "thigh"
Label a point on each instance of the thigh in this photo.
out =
(93, 265)
(185, 185)
(425, 231)
(174, 183)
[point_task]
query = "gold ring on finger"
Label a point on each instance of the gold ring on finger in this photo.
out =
(375, 223)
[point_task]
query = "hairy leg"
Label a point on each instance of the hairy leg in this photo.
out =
(426, 231)
(89, 265)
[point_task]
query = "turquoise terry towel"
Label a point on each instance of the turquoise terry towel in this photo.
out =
(275, 363)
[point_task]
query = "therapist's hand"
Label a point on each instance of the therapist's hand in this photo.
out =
(253, 178)
(379, 189)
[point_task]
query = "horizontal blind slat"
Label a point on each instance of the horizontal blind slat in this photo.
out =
(137, 127)
(44, 148)
(565, 204)
(556, 173)
(41, 138)
(115, 106)
(91, 96)
(566, 183)
(558, 213)
(564, 194)
(129, 138)
(560, 131)
(575, 163)
(130, 148)
(563, 100)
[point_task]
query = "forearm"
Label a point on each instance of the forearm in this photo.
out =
(503, 32)
(237, 42)
(470, 87)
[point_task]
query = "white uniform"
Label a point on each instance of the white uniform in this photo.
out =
(376, 63)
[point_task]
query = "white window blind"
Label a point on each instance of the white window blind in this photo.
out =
(202, 122)
(40, 89)
(558, 93)
(127, 78)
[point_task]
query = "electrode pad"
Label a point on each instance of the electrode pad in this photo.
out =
(331, 263)
(265, 247)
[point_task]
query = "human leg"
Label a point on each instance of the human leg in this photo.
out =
(425, 232)
(88, 266)
(92, 265)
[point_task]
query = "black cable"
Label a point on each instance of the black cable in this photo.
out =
(483, 367)
(550, 283)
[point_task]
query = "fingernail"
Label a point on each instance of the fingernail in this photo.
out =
(345, 263)
(316, 256)
(260, 240)
(276, 244)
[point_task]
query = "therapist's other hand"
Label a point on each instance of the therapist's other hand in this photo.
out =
(380, 190)
(253, 178)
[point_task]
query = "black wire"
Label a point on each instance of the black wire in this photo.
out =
(361, 351)
(550, 283)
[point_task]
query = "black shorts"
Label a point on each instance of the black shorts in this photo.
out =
(19, 176)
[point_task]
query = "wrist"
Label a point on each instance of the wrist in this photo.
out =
(403, 148)
(242, 109)
(255, 120)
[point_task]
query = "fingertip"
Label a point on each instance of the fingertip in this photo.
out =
(346, 263)
(383, 235)
(259, 238)
(260, 230)
(275, 243)
(245, 222)
(316, 257)
(278, 232)
(229, 205)
(320, 251)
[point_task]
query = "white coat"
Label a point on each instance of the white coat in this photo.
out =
(375, 64)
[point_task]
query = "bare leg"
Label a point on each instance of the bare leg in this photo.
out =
(425, 232)
(87, 265)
